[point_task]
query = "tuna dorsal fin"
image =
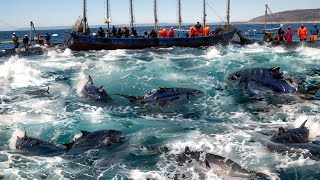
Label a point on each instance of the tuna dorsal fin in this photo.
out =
(84, 133)
(303, 125)
(25, 133)
(130, 98)
(69, 145)
(90, 79)
(101, 88)
(207, 163)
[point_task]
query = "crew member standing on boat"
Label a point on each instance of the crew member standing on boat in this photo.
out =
(119, 32)
(314, 33)
(101, 32)
(201, 31)
(197, 26)
(47, 39)
(133, 32)
(302, 33)
(125, 32)
(171, 33)
(15, 40)
(163, 32)
(280, 33)
(193, 31)
(153, 34)
(206, 30)
(25, 41)
(288, 34)
(114, 31)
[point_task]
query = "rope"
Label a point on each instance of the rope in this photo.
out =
(273, 15)
(215, 13)
(8, 24)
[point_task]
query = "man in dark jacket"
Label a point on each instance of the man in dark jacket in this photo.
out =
(26, 42)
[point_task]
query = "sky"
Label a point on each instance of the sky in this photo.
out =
(16, 14)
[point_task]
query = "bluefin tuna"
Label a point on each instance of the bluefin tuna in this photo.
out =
(223, 167)
(256, 78)
(36, 147)
(91, 92)
(164, 96)
(96, 139)
(296, 135)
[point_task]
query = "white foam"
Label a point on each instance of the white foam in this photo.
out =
(138, 175)
(313, 53)
(212, 53)
(13, 139)
(17, 73)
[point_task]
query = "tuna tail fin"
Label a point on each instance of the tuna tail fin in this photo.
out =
(46, 91)
(303, 125)
(130, 98)
(69, 145)
(90, 79)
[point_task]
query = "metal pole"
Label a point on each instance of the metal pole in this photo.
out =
(204, 13)
(265, 17)
(155, 15)
(179, 17)
(228, 12)
(31, 25)
(84, 16)
(108, 19)
(131, 13)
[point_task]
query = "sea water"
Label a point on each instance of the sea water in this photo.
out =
(222, 122)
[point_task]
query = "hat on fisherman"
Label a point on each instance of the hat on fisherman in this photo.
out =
(14, 33)
(25, 35)
(281, 25)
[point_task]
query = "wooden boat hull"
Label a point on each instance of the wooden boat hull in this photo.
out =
(83, 42)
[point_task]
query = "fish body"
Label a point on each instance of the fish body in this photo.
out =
(261, 78)
(91, 92)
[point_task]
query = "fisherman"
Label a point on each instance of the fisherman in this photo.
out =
(197, 26)
(218, 30)
(314, 33)
(206, 30)
(133, 32)
(101, 32)
(125, 32)
(288, 34)
(153, 34)
(280, 33)
(145, 34)
(38, 39)
(25, 41)
(15, 40)
(114, 31)
(201, 31)
(119, 32)
(47, 39)
(163, 32)
(193, 31)
(302, 33)
(171, 33)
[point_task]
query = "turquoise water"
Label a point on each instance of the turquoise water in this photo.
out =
(222, 122)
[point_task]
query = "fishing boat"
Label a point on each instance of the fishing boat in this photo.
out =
(33, 49)
(81, 40)
(270, 36)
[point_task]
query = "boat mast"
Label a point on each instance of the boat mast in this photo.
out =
(131, 14)
(228, 12)
(108, 18)
(265, 17)
(204, 13)
(155, 15)
(84, 16)
(179, 17)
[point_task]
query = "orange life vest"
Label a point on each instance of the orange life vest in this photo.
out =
(302, 33)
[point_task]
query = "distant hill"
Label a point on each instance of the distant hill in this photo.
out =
(301, 15)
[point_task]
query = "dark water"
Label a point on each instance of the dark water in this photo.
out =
(222, 122)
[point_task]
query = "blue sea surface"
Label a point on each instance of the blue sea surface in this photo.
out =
(222, 122)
